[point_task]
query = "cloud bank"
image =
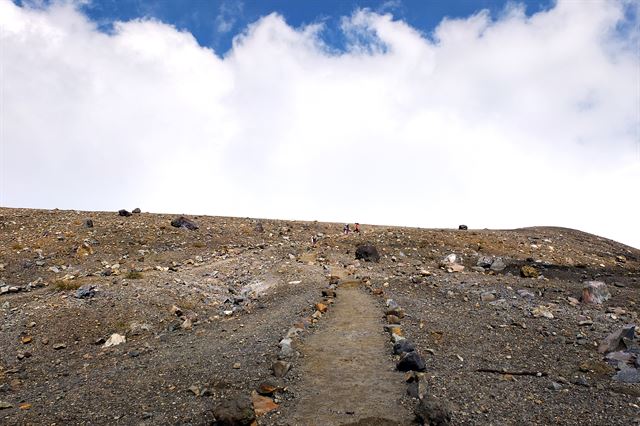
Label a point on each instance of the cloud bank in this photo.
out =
(493, 122)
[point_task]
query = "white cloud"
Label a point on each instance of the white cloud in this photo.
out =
(500, 123)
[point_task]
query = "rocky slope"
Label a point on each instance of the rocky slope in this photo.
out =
(110, 319)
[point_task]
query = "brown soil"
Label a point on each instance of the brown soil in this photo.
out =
(347, 374)
(247, 288)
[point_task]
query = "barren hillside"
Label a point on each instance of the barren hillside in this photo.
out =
(109, 319)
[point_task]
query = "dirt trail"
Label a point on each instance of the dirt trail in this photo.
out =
(347, 376)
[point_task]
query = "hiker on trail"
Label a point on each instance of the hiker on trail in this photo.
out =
(346, 229)
(357, 228)
(314, 240)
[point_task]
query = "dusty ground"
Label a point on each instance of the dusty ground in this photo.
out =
(243, 289)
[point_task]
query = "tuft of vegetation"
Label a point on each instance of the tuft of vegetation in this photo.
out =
(61, 285)
(133, 275)
(199, 244)
(16, 246)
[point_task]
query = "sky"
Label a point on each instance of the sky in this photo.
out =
(433, 114)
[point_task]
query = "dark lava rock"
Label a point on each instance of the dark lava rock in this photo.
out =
(183, 222)
(620, 339)
(85, 292)
(88, 223)
(627, 375)
(463, 227)
(403, 346)
(433, 412)
(411, 361)
(368, 253)
(259, 227)
(235, 412)
(123, 212)
(136, 210)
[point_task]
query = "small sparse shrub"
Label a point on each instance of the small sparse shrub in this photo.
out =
(61, 285)
(199, 244)
(133, 275)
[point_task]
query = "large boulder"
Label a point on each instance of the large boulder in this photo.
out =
(595, 292)
(124, 213)
(368, 253)
(621, 339)
(411, 361)
(183, 222)
(235, 412)
(433, 412)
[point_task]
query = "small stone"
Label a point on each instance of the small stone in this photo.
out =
(618, 339)
(280, 368)
(267, 387)
(411, 361)
(498, 265)
(88, 223)
(85, 292)
(555, 386)
(58, 346)
(114, 340)
(395, 311)
(136, 210)
(236, 365)
(5, 405)
(525, 294)
(627, 375)
(431, 411)
(26, 339)
(488, 296)
(484, 261)
(262, 404)
(328, 293)
(542, 311)
(402, 347)
(462, 227)
(392, 319)
(321, 307)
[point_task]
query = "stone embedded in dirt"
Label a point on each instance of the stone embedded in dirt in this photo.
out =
(455, 267)
(321, 307)
(183, 222)
(262, 404)
(280, 368)
(627, 375)
(84, 250)
(402, 347)
(235, 412)
(595, 292)
(5, 405)
(433, 412)
(285, 348)
(88, 223)
(542, 311)
(395, 311)
(59, 346)
(259, 227)
(620, 339)
(392, 319)
(136, 210)
(368, 253)
(528, 271)
(328, 293)
(498, 264)
(462, 227)
(114, 340)
(87, 291)
(525, 294)
(411, 361)
(417, 387)
(124, 213)
(488, 296)
(484, 261)
(268, 387)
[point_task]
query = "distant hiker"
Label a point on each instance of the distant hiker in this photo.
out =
(314, 240)
(357, 228)
(346, 229)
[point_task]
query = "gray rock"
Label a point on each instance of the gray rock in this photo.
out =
(368, 253)
(433, 412)
(463, 227)
(498, 264)
(136, 210)
(525, 294)
(555, 386)
(88, 223)
(402, 347)
(124, 213)
(4, 289)
(477, 269)
(87, 291)
(280, 368)
(5, 405)
(488, 296)
(594, 292)
(411, 361)
(183, 222)
(628, 375)
(618, 340)
(235, 412)
(484, 261)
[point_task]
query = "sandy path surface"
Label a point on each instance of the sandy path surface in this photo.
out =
(347, 375)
